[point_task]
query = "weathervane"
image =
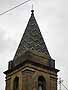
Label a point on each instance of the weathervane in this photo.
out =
(32, 7)
(32, 10)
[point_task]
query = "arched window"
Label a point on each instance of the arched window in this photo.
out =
(16, 84)
(41, 83)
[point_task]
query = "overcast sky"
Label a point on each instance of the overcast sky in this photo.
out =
(52, 18)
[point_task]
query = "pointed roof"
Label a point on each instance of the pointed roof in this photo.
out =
(32, 50)
(32, 39)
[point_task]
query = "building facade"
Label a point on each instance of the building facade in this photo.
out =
(32, 67)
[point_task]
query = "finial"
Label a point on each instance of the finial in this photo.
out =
(32, 9)
(32, 6)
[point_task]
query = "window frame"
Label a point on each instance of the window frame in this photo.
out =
(41, 83)
(16, 83)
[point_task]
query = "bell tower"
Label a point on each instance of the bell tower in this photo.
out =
(32, 67)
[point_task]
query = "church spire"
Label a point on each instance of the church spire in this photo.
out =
(32, 39)
(32, 63)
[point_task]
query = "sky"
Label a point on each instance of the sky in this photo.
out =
(52, 18)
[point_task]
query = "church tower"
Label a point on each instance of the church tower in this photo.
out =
(32, 67)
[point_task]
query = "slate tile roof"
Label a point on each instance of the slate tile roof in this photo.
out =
(32, 39)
